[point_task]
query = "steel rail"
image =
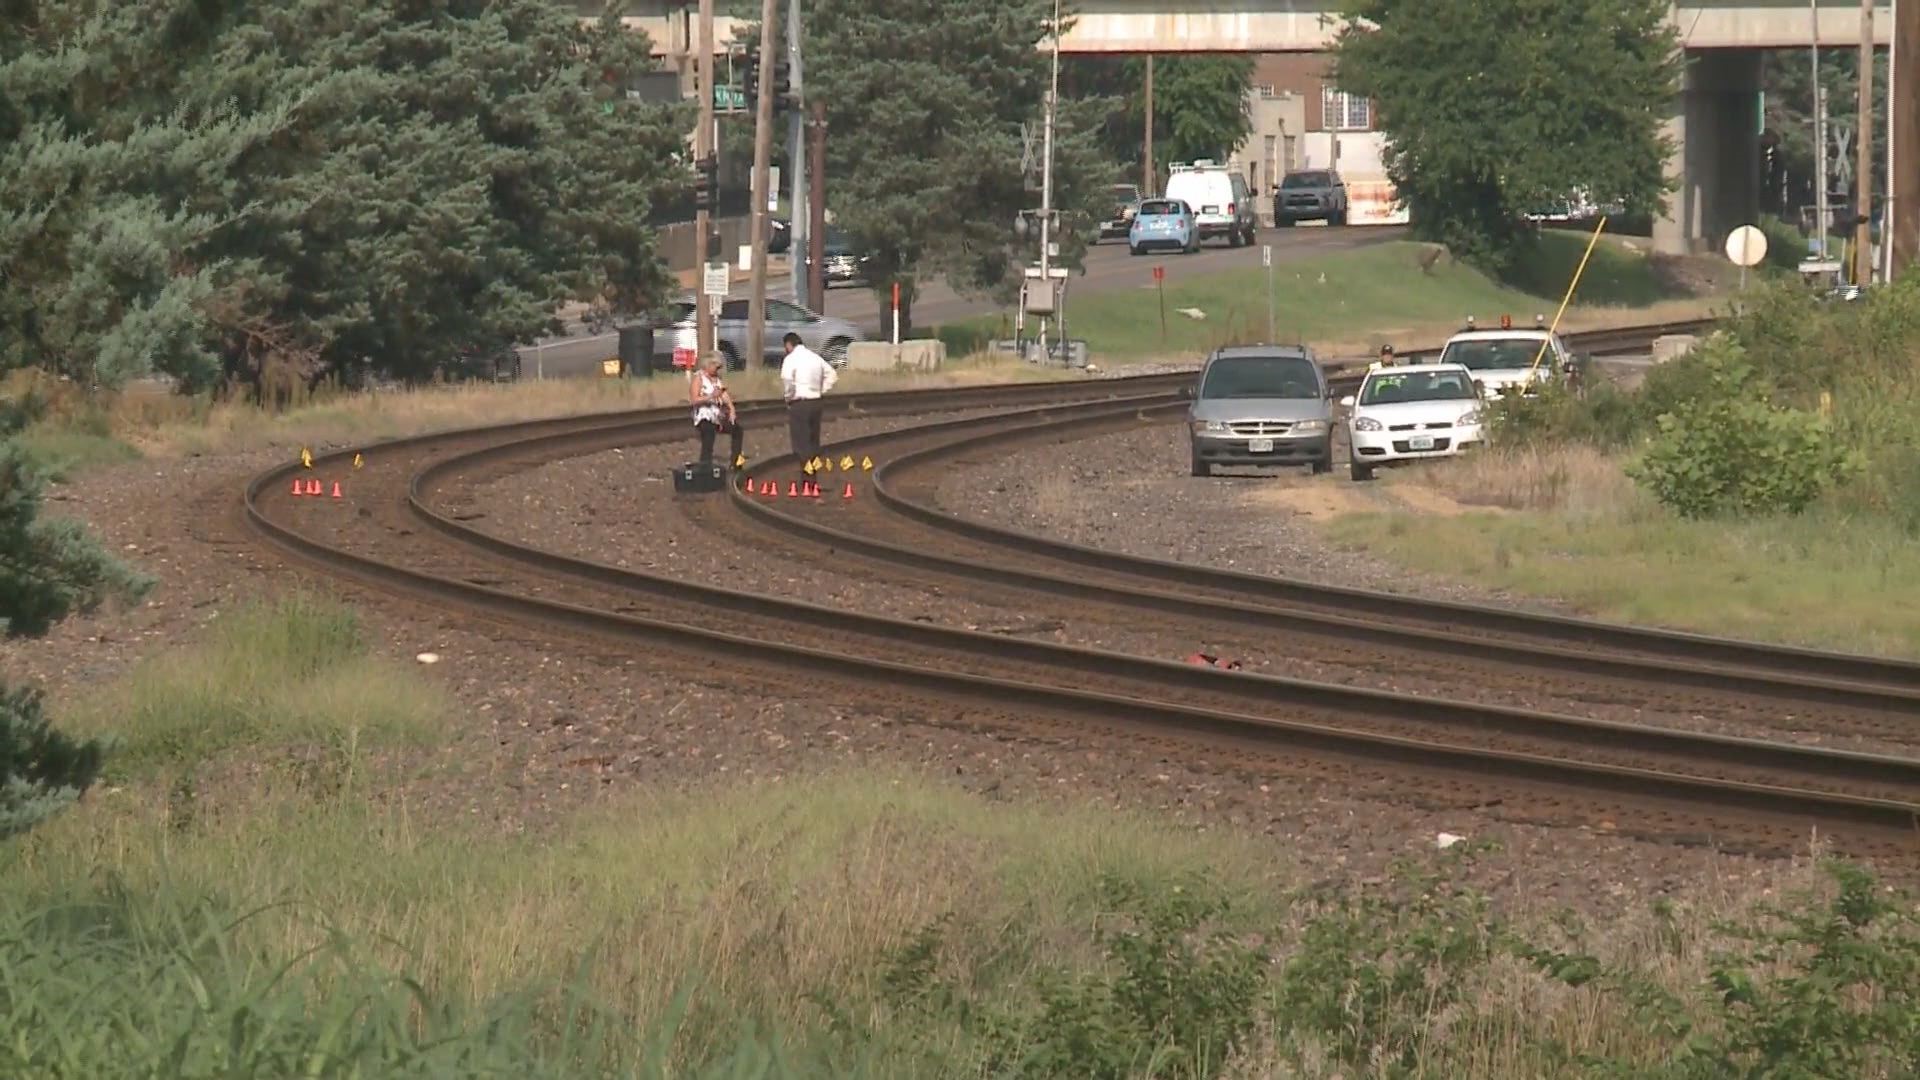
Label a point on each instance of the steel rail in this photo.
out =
(1847, 676)
(1715, 750)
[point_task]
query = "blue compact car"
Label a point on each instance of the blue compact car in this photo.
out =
(1165, 224)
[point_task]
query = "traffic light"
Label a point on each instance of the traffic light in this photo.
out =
(782, 80)
(750, 77)
(706, 189)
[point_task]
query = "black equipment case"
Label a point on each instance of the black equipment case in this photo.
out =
(694, 478)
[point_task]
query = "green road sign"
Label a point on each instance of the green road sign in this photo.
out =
(729, 97)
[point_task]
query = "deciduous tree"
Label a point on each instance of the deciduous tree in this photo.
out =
(927, 102)
(1494, 108)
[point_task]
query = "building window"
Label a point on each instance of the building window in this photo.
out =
(1341, 111)
(1265, 92)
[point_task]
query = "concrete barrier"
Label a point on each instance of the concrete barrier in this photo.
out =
(916, 355)
(1668, 346)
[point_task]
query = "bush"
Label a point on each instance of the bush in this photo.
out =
(1601, 416)
(1785, 246)
(1729, 450)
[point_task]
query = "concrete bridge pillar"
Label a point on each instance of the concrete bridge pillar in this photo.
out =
(1715, 159)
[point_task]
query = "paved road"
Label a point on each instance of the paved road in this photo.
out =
(1109, 267)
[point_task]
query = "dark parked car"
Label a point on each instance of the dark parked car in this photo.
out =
(845, 264)
(1311, 195)
(500, 364)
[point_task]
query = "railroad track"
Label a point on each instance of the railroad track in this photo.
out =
(1739, 792)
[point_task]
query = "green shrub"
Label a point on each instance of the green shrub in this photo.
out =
(1818, 986)
(1601, 415)
(963, 339)
(1742, 457)
(1785, 246)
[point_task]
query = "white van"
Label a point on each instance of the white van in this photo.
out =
(1222, 203)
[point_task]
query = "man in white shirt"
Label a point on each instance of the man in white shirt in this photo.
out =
(804, 377)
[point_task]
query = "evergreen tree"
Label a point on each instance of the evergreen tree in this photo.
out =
(216, 187)
(1494, 107)
(933, 139)
(48, 570)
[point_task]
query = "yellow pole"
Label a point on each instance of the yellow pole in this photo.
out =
(1568, 298)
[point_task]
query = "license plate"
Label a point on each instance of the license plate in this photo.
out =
(1420, 442)
(1209, 209)
(1265, 446)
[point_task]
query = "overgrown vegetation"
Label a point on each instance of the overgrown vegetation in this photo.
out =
(1762, 485)
(271, 902)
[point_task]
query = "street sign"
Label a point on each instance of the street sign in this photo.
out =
(729, 97)
(717, 280)
(1266, 254)
(773, 189)
(1746, 246)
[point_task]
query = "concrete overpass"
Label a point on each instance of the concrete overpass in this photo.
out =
(1262, 26)
(1714, 123)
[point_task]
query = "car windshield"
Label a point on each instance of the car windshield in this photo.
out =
(1496, 354)
(1125, 192)
(1306, 180)
(1261, 377)
(1403, 386)
(1160, 208)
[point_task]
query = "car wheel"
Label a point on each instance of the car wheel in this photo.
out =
(836, 352)
(1323, 465)
(1233, 239)
(1134, 250)
(1360, 473)
(1253, 234)
(1201, 468)
(732, 358)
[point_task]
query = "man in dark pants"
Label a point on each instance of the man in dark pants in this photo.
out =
(804, 378)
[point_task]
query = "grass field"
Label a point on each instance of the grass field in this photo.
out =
(1568, 526)
(268, 899)
(1353, 300)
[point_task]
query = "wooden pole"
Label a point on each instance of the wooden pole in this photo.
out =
(1863, 155)
(762, 159)
(1146, 170)
(703, 148)
(1903, 147)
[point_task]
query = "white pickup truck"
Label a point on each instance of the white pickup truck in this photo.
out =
(1503, 359)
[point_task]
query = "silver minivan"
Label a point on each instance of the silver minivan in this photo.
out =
(1260, 406)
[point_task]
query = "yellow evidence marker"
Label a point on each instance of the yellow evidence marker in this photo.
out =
(357, 461)
(306, 458)
(866, 464)
(847, 463)
(739, 461)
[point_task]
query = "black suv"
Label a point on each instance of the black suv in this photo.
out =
(1311, 195)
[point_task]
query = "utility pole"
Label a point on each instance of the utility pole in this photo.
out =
(817, 212)
(1046, 190)
(1901, 229)
(1863, 155)
(797, 226)
(1821, 223)
(703, 148)
(762, 153)
(1146, 172)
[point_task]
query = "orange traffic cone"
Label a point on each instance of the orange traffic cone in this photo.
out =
(769, 490)
(816, 493)
(847, 494)
(336, 489)
(299, 487)
(749, 488)
(314, 488)
(793, 490)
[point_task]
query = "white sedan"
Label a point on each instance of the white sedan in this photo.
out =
(1408, 413)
